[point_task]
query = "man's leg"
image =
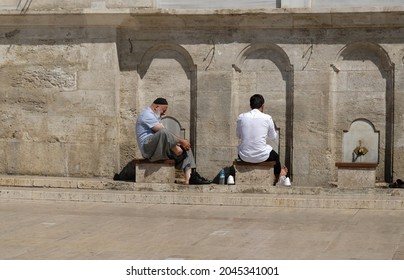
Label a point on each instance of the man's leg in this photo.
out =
(177, 150)
(186, 162)
(160, 145)
(163, 145)
(187, 175)
(273, 156)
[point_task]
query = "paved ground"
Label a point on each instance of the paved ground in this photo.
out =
(99, 230)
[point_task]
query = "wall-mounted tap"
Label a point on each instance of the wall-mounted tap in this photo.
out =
(359, 151)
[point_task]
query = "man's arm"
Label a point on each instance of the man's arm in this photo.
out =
(238, 132)
(157, 127)
(184, 143)
(272, 134)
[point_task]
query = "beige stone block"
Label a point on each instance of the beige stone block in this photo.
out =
(155, 172)
(259, 173)
(270, 80)
(366, 81)
(27, 157)
(53, 183)
(16, 194)
(24, 182)
(91, 159)
(358, 20)
(213, 110)
(55, 162)
(3, 155)
(40, 77)
(246, 83)
(30, 127)
(399, 81)
(129, 3)
(356, 175)
(215, 133)
(101, 197)
(310, 113)
(39, 195)
(314, 82)
(219, 82)
(314, 20)
(97, 80)
(64, 103)
(7, 181)
(91, 184)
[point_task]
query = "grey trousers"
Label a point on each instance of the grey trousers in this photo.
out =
(158, 147)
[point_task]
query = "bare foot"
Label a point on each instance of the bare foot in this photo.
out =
(284, 171)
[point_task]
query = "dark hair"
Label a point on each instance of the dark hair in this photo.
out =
(160, 101)
(256, 101)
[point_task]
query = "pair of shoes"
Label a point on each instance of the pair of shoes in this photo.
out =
(397, 184)
(197, 179)
(284, 181)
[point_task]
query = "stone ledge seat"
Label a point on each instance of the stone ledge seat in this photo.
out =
(254, 173)
(356, 174)
(161, 171)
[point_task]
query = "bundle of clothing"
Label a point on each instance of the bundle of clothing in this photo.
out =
(397, 184)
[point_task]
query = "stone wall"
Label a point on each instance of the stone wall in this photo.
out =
(71, 5)
(58, 103)
(74, 82)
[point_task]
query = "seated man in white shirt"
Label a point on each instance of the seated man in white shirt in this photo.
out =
(253, 128)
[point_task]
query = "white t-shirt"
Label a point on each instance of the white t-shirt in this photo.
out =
(253, 128)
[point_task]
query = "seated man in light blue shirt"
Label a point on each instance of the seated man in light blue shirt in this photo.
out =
(157, 143)
(253, 128)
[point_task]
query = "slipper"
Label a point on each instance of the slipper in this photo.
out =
(398, 184)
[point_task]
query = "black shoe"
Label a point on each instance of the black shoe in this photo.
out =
(397, 184)
(197, 179)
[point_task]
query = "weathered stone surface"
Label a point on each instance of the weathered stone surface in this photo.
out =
(73, 81)
(356, 177)
(155, 172)
(254, 174)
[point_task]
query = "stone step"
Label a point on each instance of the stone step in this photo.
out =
(107, 190)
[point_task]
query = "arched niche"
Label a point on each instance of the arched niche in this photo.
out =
(362, 79)
(170, 51)
(151, 53)
(361, 142)
(270, 67)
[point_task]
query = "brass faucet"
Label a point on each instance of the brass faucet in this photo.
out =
(359, 151)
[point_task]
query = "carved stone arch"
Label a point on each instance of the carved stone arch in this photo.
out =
(282, 62)
(372, 125)
(190, 70)
(359, 50)
(378, 55)
(153, 51)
